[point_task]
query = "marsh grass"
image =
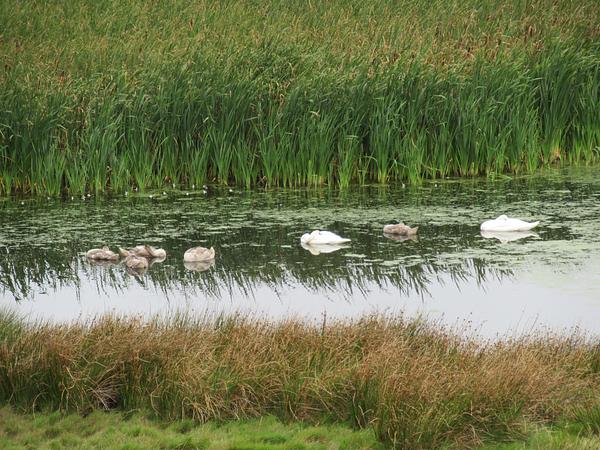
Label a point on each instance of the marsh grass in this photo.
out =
(415, 384)
(274, 94)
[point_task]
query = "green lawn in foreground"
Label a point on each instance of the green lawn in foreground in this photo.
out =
(550, 439)
(115, 430)
(119, 431)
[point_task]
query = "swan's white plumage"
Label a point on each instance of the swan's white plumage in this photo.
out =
(319, 237)
(504, 223)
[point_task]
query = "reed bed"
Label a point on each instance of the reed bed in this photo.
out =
(117, 95)
(416, 384)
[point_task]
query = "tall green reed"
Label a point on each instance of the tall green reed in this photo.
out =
(216, 95)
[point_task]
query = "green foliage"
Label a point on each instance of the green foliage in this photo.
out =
(547, 438)
(133, 95)
(588, 418)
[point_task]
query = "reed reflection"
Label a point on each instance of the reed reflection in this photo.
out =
(256, 235)
(242, 270)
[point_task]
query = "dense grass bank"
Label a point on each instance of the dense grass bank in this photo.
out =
(414, 384)
(114, 95)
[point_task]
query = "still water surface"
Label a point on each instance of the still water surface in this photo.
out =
(450, 272)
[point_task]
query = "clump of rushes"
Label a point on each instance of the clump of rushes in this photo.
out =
(417, 384)
(336, 93)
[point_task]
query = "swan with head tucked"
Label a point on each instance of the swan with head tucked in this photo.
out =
(146, 251)
(159, 253)
(319, 237)
(138, 250)
(199, 254)
(400, 229)
(102, 254)
(505, 223)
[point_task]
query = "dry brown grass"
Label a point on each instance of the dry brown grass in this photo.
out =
(417, 384)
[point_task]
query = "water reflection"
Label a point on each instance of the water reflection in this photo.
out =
(102, 263)
(401, 238)
(42, 245)
(249, 259)
(199, 266)
(508, 236)
(317, 249)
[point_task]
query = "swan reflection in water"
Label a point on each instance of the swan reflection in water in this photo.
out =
(102, 263)
(508, 236)
(317, 249)
(199, 266)
(25, 273)
(401, 237)
(46, 241)
(136, 272)
(277, 264)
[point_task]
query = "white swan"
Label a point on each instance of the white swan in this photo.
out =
(318, 237)
(508, 236)
(504, 223)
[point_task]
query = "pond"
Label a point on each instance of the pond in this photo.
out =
(450, 272)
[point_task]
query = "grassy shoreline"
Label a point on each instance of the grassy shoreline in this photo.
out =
(414, 384)
(272, 94)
